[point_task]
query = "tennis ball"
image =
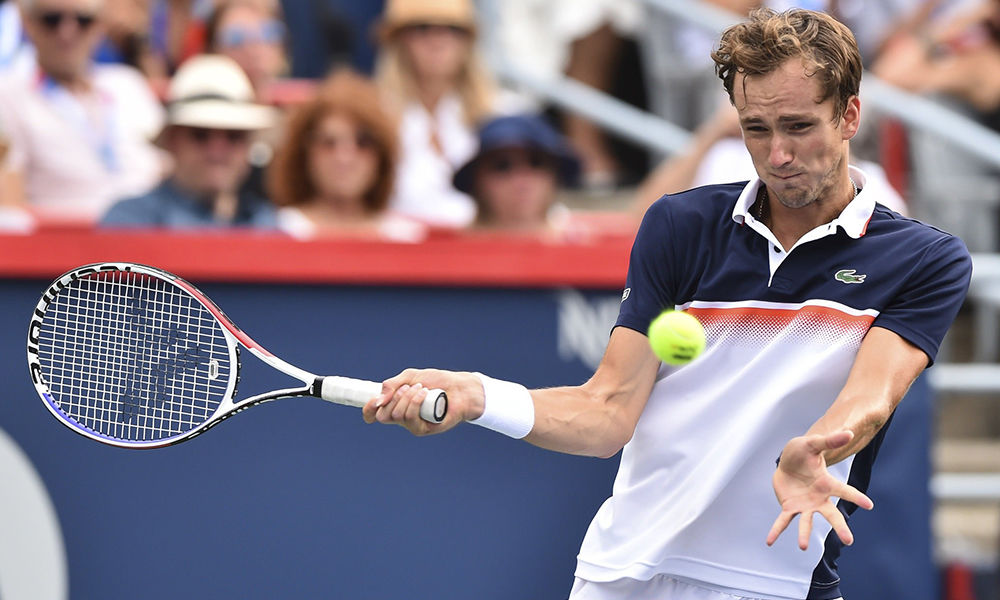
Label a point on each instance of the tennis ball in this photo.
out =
(676, 337)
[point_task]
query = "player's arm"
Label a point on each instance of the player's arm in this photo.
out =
(884, 369)
(596, 418)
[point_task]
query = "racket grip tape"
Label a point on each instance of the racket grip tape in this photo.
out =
(357, 392)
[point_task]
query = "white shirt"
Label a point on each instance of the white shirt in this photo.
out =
(78, 153)
(693, 498)
(423, 188)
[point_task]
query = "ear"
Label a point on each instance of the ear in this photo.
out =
(850, 122)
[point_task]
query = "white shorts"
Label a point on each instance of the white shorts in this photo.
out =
(660, 587)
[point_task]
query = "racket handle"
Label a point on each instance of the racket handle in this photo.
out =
(357, 392)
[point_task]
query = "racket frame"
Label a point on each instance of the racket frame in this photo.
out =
(340, 390)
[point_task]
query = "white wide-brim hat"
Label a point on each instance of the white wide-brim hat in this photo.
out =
(213, 92)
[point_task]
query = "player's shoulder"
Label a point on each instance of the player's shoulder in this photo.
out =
(886, 220)
(909, 235)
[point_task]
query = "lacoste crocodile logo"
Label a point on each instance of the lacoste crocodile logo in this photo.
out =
(848, 276)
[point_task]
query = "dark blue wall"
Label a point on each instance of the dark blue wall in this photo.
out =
(300, 498)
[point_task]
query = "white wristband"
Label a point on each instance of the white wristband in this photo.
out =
(508, 408)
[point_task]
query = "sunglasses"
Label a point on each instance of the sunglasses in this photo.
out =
(363, 140)
(428, 28)
(235, 36)
(503, 164)
(203, 135)
(53, 19)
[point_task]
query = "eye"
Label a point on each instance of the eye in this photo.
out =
(800, 126)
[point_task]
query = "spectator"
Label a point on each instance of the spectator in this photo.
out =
(79, 132)
(252, 33)
(959, 58)
(429, 70)
(334, 171)
(515, 176)
(154, 36)
(676, 58)
(211, 114)
(126, 27)
(588, 41)
(176, 33)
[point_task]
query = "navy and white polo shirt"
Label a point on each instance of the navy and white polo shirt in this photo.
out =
(693, 496)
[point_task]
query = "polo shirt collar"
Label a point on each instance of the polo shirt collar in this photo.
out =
(853, 219)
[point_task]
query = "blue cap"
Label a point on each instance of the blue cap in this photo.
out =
(520, 131)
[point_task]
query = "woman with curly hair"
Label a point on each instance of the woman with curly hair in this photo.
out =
(335, 169)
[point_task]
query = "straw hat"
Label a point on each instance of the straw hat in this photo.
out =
(213, 92)
(400, 13)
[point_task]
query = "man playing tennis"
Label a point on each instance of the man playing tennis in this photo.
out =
(820, 307)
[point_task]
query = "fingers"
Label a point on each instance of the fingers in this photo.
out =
(832, 514)
(828, 510)
(838, 439)
(391, 385)
(780, 524)
(398, 402)
(805, 529)
(820, 443)
(396, 408)
(852, 494)
(408, 409)
(402, 396)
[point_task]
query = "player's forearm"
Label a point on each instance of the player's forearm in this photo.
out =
(598, 417)
(580, 420)
(863, 415)
(883, 371)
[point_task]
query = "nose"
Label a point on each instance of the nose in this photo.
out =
(67, 30)
(780, 151)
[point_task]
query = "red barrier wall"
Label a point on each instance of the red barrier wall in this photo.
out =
(447, 259)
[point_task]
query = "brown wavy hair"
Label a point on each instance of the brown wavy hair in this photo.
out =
(345, 93)
(769, 38)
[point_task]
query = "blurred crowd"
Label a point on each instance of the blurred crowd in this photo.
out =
(381, 119)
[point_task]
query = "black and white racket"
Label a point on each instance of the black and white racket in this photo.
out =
(132, 356)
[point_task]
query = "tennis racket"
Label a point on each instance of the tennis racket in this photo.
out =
(132, 356)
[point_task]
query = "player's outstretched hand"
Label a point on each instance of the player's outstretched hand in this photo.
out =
(804, 486)
(399, 402)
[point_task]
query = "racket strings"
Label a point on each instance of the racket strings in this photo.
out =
(133, 357)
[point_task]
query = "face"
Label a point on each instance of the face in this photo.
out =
(255, 40)
(798, 146)
(65, 34)
(436, 51)
(343, 159)
(516, 186)
(209, 161)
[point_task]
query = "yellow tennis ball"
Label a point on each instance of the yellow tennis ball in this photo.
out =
(676, 337)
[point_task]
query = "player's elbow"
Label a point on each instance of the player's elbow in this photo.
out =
(610, 451)
(618, 431)
(617, 422)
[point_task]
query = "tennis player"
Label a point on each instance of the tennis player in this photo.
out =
(821, 307)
